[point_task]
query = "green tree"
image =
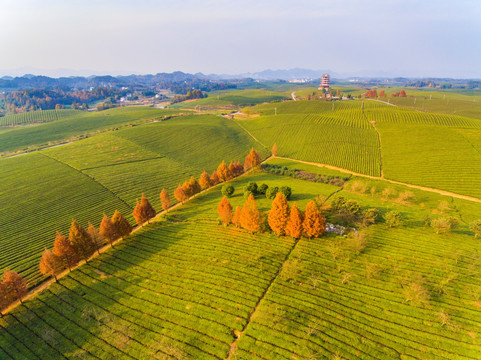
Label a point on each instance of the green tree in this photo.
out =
(227, 190)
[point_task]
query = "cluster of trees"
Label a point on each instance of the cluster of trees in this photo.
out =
(304, 175)
(373, 94)
(281, 219)
(42, 99)
(191, 94)
(223, 173)
(253, 189)
(82, 243)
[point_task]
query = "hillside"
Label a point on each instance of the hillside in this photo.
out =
(97, 175)
(69, 125)
(428, 149)
(187, 287)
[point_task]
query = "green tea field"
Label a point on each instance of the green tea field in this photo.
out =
(43, 191)
(186, 287)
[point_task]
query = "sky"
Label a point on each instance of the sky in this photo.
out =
(425, 38)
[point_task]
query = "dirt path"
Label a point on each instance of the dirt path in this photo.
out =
(384, 102)
(293, 95)
(419, 187)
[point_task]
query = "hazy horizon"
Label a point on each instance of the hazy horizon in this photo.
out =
(372, 38)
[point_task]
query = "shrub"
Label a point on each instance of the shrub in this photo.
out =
(444, 225)
(252, 187)
(247, 193)
(475, 227)
(388, 193)
(271, 192)
(287, 191)
(405, 197)
(393, 218)
(262, 189)
(227, 190)
(369, 216)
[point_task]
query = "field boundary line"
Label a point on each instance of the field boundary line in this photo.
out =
(233, 346)
(91, 178)
(373, 125)
(252, 136)
(419, 187)
(384, 102)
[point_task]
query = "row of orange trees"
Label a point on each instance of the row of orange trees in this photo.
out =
(281, 219)
(82, 243)
(223, 173)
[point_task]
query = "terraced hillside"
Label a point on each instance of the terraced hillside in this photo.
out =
(330, 133)
(233, 99)
(434, 150)
(440, 151)
(43, 191)
(72, 125)
(187, 287)
(36, 117)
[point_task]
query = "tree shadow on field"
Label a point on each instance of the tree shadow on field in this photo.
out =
(107, 306)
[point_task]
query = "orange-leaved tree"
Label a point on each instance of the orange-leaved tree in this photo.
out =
(107, 230)
(237, 217)
(80, 240)
(314, 224)
(121, 224)
(294, 225)
(50, 264)
(402, 93)
(164, 199)
(97, 239)
(236, 168)
(143, 211)
(382, 93)
(274, 150)
(225, 211)
(214, 178)
(205, 181)
(251, 218)
(180, 194)
(14, 286)
(64, 250)
(279, 214)
(252, 160)
(194, 186)
(223, 172)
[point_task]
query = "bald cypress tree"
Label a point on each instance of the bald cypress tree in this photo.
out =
(50, 264)
(314, 224)
(97, 239)
(107, 230)
(14, 285)
(236, 219)
(294, 225)
(64, 250)
(80, 240)
(225, 211)
(279, 214)
(143, 211)
(121, 224)
(205, 181)
(252, 160)
(164, 199)
(251, 218)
